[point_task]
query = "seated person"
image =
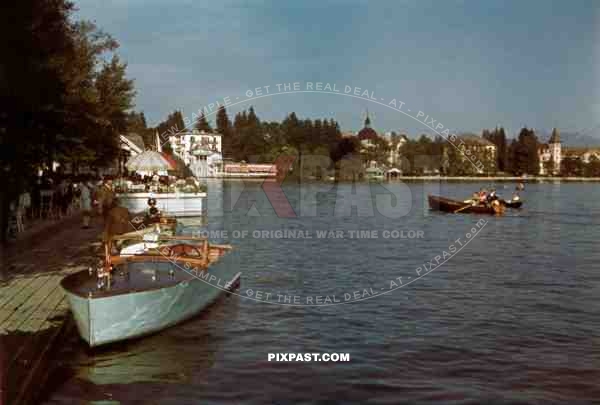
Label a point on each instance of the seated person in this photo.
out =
(117, 221)
(152, 213)
(483, 196)
(475, 198)
(492, 195)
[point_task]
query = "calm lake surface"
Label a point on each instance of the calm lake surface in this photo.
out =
(513, 316)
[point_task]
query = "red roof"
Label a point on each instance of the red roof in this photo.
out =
(170, 159)
(367, 133)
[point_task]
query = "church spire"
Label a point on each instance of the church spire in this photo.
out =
(367, 120)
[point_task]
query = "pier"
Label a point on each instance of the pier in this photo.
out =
(34, 312)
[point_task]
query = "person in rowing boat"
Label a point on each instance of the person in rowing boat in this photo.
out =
(474, 199)
(515, 196)
(483, 196)
(492, 196)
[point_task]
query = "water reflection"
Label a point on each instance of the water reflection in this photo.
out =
(173, 356)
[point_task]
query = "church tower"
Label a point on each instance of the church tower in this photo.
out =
(555, 151)
(367, 121)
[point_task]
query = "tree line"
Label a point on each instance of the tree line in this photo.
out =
(248, 138)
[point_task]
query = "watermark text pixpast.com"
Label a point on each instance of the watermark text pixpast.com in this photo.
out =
(307, 357)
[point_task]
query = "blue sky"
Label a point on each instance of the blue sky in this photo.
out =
(468, 64)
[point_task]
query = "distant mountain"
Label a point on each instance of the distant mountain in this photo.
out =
(575, 139)
(585, 138)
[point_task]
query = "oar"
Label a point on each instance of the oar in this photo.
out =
(462, 208)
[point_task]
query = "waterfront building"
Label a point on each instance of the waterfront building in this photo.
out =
(476, 149)
(396, 143)
(586, 155)
(380, 150)
(200, 150)
(550, 155)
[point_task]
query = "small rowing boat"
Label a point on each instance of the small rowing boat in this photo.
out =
(447, 205)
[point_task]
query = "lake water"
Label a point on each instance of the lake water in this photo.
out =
(511, 316)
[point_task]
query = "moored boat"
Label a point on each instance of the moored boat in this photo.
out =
(177, 204)
(448, 205)
(512, 203)
(136, 295)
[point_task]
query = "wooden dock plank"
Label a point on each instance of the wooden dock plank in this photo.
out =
(32, 304)
(36, 320)
(13, 288)
(19, 299)
(28, 380)
(57, 316)
(28, 352)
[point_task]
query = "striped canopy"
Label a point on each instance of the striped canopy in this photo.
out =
(149, 161)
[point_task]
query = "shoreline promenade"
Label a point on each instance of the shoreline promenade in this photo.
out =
(33, 306)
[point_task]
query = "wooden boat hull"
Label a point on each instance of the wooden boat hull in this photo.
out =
(124, 313)
(447, 205)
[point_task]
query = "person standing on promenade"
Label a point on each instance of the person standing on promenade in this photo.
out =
(105, 197)
(62, 195)
(86, 202)
(117, 222)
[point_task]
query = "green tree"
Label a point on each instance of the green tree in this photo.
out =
(343, 148)
(171, 126)
(593, 167)
(202, 124)
(115, 98)
(54, 95)
(572, 167)
(524, 153)
(136, 123)
(224, 127)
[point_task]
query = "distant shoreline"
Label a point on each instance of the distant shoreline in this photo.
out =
(529, 179)
(538, 179)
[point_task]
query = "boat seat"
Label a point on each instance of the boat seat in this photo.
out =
(181, 249)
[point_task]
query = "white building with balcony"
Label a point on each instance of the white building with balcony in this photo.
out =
(201, 151)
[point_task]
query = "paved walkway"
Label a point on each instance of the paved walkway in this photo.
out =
(33, 308)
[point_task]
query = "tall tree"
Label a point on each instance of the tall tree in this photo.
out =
(294, 134)
(251, 137)
(343, 148)
(224, 127)
(202, 124)
(172, 125)
(115, 98)
(54, 94)
(524, 151)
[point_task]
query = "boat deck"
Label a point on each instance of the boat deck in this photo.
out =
(127, 278)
